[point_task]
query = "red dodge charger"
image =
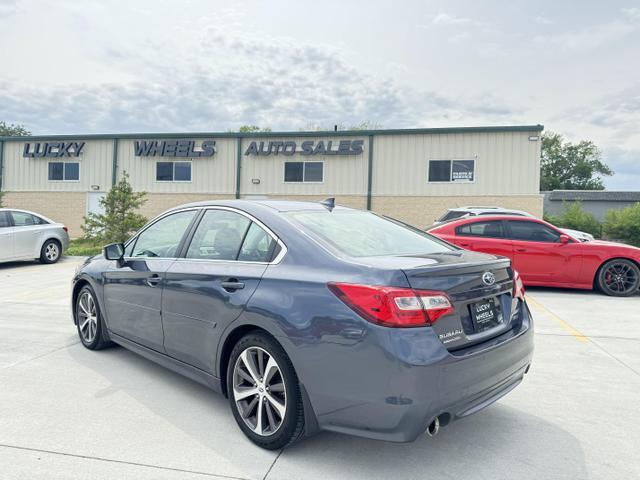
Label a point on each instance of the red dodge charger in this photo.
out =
(546, 256)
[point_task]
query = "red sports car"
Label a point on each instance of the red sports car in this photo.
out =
(546, 256)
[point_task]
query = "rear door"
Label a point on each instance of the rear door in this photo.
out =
(487, 236)
(209, 288)
(539, 256)
(6, 237)
(133, 291)
(27, 235)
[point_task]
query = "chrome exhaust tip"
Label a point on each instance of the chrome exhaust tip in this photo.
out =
(434, 427)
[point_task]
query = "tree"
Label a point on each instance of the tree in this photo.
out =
(253, 128)
(568, 166)
(623, 224)
(11, 130)
(119, 220)
(576, 218)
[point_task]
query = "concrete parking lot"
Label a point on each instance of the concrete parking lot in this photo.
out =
(66, 412)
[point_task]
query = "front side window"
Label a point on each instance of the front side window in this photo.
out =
(163, 238)
(532, 232)
(482, 229)
(5, 221)
(363, 234)
(23, 219)
(173, 171)
(303, 172)
(64, 171)
(459, 171)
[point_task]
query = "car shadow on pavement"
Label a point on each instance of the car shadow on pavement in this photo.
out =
(499, 442)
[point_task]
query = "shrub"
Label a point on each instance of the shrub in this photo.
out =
(119, 220)
(623, 224)
(576, 218)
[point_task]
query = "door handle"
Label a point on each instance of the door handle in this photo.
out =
(465, 244)
(153, 280)
(521, 249)
(232, 284)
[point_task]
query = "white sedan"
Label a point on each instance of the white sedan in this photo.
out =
(26, 235)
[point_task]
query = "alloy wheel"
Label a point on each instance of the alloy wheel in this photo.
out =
(52, 252)
(87, 317)
(259, 391)
(620, 277)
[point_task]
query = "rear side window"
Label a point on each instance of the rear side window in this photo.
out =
(532, 232)
(492, 229)
(364, 234)
(22, 219)
(229, 236)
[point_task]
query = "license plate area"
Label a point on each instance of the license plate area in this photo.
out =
(485, 314)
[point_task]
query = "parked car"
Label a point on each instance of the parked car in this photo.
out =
(547, 256)
(312, 317)
(26, 235)
(471, 211)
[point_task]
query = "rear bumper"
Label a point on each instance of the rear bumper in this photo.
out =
(418, 380)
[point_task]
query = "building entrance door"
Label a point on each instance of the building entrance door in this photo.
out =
(93, 202)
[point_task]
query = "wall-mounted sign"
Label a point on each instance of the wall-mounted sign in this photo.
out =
(52, 149)
(174, 148)
(307, 147)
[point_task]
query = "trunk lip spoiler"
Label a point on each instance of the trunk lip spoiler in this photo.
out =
(489, 264)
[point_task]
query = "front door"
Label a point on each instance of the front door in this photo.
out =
(539, 256)
(210, 287)
(93, 202)
(6, 237)
(133, 291)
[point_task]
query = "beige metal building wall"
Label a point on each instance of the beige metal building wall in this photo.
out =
(31, 174)
(215, 174)
(343, 174)
(505, 163)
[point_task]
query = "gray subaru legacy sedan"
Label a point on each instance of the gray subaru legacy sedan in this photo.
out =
(310, 316)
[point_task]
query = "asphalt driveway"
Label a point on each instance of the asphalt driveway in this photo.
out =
(66, 412)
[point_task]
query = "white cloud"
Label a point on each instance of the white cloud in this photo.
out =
(444, 18)
(633, 13)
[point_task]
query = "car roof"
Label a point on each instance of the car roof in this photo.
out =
(273, 205)
(486, 209)
(487, 218)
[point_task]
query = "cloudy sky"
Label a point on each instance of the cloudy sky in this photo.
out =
(204, 65)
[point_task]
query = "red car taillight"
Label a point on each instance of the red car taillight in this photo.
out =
(394, 306)
(518, 286)
(65, 229)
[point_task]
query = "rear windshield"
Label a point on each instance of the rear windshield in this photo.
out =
(364, 234)
(451, 214)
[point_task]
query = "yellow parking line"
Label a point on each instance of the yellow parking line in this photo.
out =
(575, 333)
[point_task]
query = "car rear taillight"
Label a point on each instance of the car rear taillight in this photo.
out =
(518, 286)
(393, 306)
(65, 229)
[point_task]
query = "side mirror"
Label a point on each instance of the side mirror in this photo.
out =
(114, 251)
(564, 238)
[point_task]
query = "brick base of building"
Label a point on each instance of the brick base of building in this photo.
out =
(70, 207)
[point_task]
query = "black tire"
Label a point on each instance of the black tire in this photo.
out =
(619, 278)
(50, 252)
(95, 341)
(292, 425)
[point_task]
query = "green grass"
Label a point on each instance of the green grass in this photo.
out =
(83, 248)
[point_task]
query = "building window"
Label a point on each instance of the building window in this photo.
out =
(64, 171)
(173, 171)
(460, 171)
(303, 172)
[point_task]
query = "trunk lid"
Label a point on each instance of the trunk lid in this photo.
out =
(480, 287)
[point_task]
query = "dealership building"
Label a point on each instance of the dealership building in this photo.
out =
(412, 174)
